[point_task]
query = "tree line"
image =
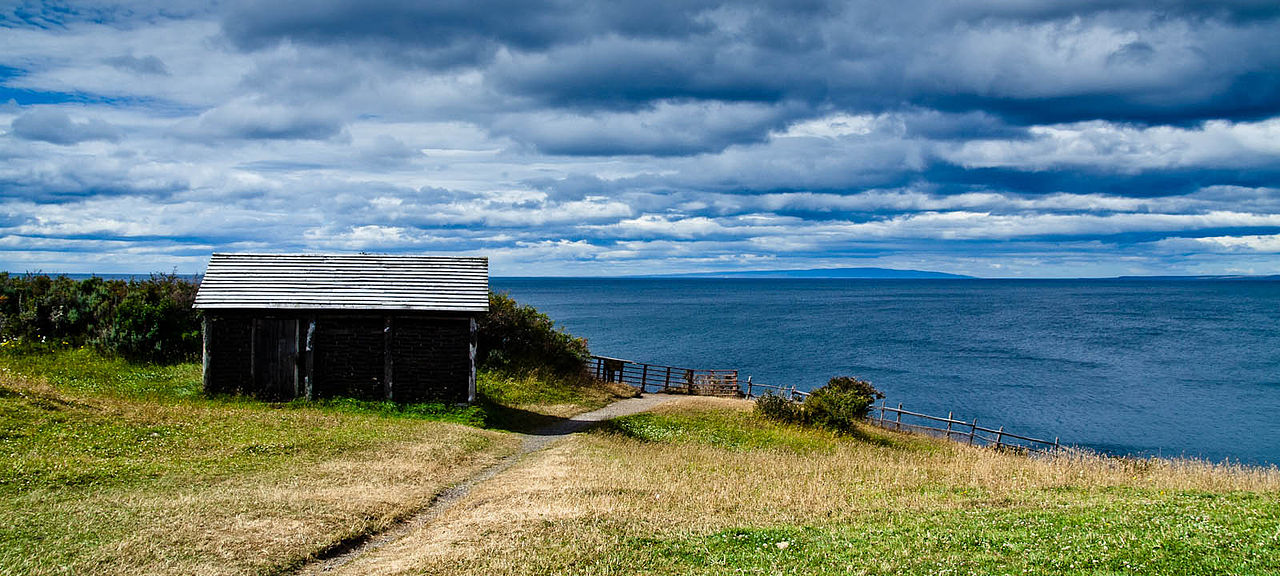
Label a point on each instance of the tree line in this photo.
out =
(151, 320)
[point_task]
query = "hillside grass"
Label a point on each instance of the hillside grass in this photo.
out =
(111, 467)
(704, 486)
(524, 402)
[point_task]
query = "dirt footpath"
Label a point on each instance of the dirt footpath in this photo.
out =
(533, 442)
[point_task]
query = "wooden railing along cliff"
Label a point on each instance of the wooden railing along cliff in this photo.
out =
(703, 382)
(661, 378)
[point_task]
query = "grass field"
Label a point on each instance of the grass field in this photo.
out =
(108, 467)
(705, 487)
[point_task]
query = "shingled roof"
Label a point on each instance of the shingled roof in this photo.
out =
(345, 282)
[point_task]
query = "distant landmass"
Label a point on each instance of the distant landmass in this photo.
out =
(819, 273)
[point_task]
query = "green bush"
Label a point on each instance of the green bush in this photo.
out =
(835, 406)
(518, 339)
(779, 409)
(840, 403)
(149, 320)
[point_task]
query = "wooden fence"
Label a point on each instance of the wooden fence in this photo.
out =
(661, 378)
(784, 391)
(959, 430)
(671, 379)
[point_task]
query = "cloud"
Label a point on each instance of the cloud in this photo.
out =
(1125, 148)
(993, 137)
(253, 119)
(145, 65)
(666, 129)
(57, 127)
(1257, 243)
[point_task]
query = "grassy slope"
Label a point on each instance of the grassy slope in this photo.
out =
(704, 487)
(109, 467)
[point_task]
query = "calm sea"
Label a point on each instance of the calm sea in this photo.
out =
(1144, 367)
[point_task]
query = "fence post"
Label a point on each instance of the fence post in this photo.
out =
(999, 435)
(897, 425)
(882, 413)
(688, 379)
(667, 383)
(950, 417)
(644, 377)
(748, 387)
(1055, 443)
(973, 427)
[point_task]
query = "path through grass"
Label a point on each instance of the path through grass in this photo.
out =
(705, 487)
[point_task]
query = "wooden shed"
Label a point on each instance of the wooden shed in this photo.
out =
(375, 327)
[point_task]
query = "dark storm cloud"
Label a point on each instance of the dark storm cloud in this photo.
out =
(452, 32)
(1162, 62)
(664, 130)
(56, 127)
(1004, 137)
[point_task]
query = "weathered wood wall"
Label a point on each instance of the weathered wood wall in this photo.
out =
(405, 357)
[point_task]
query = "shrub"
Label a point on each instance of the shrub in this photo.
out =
(519, 339)
(149, 320)
(155, 321)
(835, 406)
(779, 409)
(840, 403)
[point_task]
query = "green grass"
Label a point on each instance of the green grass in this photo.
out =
(1186, 533)
(526, 402)
(743, 431)
(709, 487)
(95, 450)
(86, 371)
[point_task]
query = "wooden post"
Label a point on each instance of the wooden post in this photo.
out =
(1055, 443)
(748, 387)
(950, 417)
(973, 427)
(205, 325)
(386, 358)
(474, 347)
(688, 380)
(898, 423)
(667, 383)
(644, 377)
(253, 355)
(999, 435)
(308, 380)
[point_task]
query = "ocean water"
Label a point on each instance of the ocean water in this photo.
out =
(1143, 367)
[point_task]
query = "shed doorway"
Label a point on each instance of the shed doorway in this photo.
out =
(275, 357)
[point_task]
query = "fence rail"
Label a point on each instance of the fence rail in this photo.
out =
(659, 377)
(960, 430)
(663, 378)
(784, 391)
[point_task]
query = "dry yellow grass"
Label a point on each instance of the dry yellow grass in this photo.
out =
(210, 487)
(583, 506)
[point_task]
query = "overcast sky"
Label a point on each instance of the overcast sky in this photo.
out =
(997, 138)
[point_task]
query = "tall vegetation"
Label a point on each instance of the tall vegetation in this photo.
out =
(147, 320)
(835, 406)
(516, 338)
(152, 320)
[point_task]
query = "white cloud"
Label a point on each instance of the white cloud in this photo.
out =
(1266, 244)
(1100, 145)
